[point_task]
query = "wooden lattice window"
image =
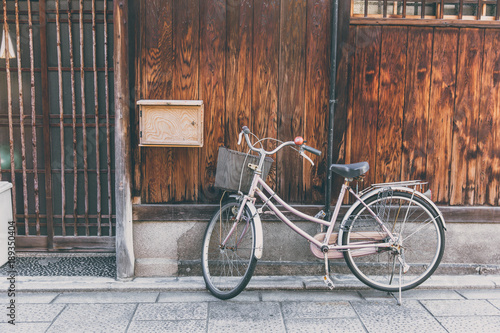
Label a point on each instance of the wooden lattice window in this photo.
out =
(485, 10)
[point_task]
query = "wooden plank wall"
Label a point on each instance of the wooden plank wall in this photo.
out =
(415, 102)
(260, 63)
(425, 105)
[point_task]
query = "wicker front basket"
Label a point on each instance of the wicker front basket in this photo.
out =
(229, 166)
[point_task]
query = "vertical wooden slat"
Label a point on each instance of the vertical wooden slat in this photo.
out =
(185, 86)
(106, 104)
(140, 93)
(441, 9)
(366, 91)
(291, 114)
(345, 58)
(465, 120)
(316, 96)
(33, 122)
(422, 10)
(61, 119)
(158, 164)
(21, 121)
(351, 65)
(96, 109)
(212, 78)
(416, 112)
(497, 9)
(442, 104)
(460, 9)
(366, 8)
(9, 111)
(265, 73)
(84, 122)
(479, 8)
(391, 103)
(404, 9)
(73, 121)
(46, 124)
(238, 69)
(488, 155)
(384, 9)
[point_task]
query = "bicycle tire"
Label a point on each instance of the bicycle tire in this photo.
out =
(411, 220)
(228, 269)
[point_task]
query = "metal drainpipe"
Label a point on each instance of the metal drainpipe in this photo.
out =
(332, 102)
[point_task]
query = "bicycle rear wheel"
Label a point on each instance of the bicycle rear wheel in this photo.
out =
(227, 268)
(416, 226)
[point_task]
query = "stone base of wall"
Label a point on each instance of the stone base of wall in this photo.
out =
(173, 248)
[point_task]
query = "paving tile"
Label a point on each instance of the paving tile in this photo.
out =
(204, 296)
(171, 311)
(377, 295)
(245, 317)
(24, 327)
(25, 298)
(341, 282)
(459, 281)
(107, 297)
(174, 326)
(37, 312)
(171, 283)
(310, 295)
(383, 316)
(481, 294)
(293, 310)
(93, 318)
(471, 324)
(275, 282)
(495, 302)
(337, 325)
(459, 308)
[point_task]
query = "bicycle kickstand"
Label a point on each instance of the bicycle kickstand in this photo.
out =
(326, 278)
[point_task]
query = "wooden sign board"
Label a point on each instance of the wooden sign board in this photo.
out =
(170, 123)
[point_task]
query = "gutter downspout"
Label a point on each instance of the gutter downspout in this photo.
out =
(332, 101)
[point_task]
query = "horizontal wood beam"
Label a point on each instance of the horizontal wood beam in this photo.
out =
(67, 243)
(451, 214)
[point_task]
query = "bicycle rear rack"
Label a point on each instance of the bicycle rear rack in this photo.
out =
(415, 185)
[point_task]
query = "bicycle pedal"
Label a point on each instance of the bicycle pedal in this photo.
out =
(328, 282)
(320, 215)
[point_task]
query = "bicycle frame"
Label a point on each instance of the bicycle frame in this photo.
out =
(254, 189)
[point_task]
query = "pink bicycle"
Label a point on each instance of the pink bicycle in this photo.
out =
(392, 238)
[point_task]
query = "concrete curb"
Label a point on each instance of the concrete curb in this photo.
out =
(196, 283)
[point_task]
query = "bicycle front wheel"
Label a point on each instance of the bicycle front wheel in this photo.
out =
(228, 256)
(419, 234)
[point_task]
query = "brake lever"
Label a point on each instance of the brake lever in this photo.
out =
(240, 137)
(306, 157)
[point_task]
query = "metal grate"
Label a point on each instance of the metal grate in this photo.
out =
(56, 119)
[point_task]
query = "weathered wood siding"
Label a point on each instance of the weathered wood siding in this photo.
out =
(413, 101)
(425, 105)
(260, 63)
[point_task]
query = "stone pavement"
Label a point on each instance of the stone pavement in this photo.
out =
(469, 310)
(271, 304)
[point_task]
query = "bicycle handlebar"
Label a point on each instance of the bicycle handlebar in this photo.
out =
(245, 131)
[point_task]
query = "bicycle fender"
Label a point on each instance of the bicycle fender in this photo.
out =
(377, 190)
(259, 243)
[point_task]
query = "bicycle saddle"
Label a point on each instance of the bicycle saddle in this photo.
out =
(350, 170)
